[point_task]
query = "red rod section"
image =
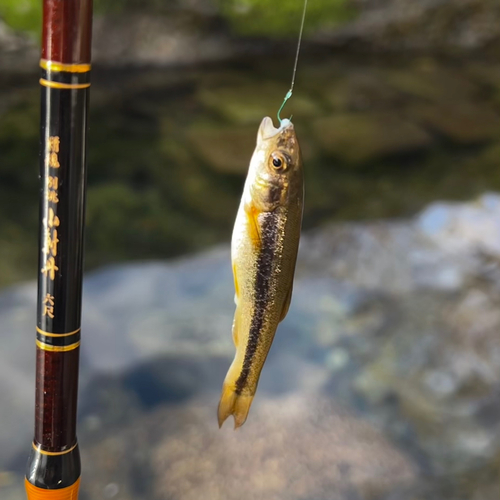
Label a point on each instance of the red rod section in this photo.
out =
(67, 31)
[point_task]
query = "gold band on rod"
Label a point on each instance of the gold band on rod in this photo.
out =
(70, 68)
(53, 453)
(56, 348)
(58, 85)
(49, 334)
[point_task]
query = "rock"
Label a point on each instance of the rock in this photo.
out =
(359, 137)
(398, 25)
(134, 38)
(362, 89)
(275, 461)
(464, 123)
(438, 380)
(390, 257)
(17, 392)
(226, 149)
(193, 32)
(331, 455)
(486, 74)
(19, 53)
(430, 81)
(471, 228)
(448, 102)
(248, 104)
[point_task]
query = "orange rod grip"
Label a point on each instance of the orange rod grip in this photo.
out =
(35, 493)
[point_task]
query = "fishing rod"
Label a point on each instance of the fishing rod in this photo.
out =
(53, 470)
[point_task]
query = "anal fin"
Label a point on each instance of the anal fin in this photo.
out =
(235, 328)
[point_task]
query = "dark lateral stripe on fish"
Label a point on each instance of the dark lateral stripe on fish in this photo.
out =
(264, 270)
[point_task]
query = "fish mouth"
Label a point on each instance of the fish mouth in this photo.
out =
(268, 130)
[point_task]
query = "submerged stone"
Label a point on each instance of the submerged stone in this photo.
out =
(360, 137)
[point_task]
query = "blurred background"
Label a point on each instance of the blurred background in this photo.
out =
(383, 382)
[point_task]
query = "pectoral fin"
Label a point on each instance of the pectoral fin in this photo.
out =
(253, 225)
(236, 286)
(286, 304)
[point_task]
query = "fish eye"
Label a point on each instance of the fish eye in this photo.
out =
(278, 161)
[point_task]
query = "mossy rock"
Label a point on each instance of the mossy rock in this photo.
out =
(363, 90)
(461, 122)
(282, 17)
(360, 137)
(225, 149)
(228, 149)
(248, 104)
(432, 83)
(124, 223)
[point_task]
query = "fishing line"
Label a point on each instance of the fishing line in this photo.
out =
(289, 93)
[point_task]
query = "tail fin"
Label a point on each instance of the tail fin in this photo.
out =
(234, 404)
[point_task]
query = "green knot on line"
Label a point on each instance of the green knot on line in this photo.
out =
(288, 95)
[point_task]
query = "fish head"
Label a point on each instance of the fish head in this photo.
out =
(276, 166)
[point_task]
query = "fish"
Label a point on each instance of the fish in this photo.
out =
(264, 247)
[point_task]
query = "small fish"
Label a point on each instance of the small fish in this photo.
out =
(264, 249)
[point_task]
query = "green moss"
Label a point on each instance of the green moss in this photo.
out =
(26, 15)
(22, 15)
(282, 17)
(246, 17)
(117, 6)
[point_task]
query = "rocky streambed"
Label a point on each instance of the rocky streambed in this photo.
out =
(382, 382)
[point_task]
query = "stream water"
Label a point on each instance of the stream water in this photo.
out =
(388, 362)
(169, 148)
